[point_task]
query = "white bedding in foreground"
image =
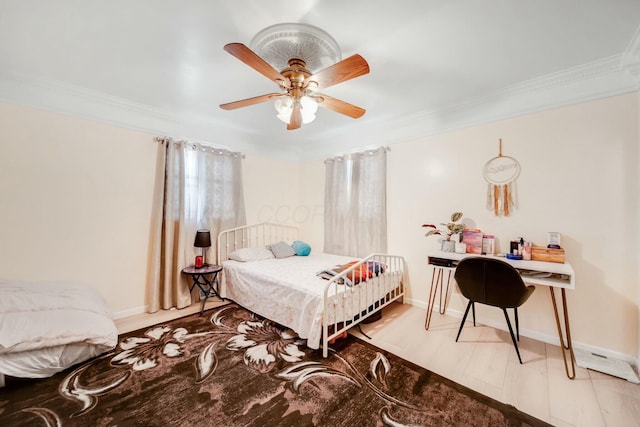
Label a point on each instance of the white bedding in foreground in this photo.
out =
(47, 327)
(286, 290)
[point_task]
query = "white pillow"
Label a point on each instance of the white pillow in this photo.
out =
(250, 254)
(282, 250)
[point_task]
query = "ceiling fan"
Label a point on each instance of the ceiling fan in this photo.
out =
(300, 99)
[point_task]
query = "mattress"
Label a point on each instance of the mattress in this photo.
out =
(288, 291)
(47, 327)
(47, 361)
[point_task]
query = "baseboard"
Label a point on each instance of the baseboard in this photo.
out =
(129, 312)
(415, 302)
(538, 336)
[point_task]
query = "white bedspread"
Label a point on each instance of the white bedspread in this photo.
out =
(286, 291)
(47, 327)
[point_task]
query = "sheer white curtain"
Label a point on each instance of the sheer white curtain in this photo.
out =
(197, 187)
(355, 205)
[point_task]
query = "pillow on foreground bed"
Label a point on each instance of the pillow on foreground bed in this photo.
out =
(250, 254)
(281, 250)
(301, 248)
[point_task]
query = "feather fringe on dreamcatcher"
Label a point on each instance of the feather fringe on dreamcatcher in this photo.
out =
(502, 199)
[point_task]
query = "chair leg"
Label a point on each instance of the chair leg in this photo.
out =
(517, 323)
(513, 338)
(463, 319)
(473, 309)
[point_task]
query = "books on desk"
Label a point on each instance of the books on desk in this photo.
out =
(473, 239)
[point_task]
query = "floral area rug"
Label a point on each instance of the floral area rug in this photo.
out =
(229, 367)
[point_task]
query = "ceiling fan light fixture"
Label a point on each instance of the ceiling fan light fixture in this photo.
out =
(308, 108)
(284, 107)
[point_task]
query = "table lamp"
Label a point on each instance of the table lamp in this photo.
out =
(203, 240)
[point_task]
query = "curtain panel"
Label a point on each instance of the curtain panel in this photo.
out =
(197, 187)
(355, 207)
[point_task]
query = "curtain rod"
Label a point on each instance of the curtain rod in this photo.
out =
(163, 139)
(357, 153)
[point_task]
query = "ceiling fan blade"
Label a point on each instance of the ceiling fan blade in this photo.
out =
(296, 117)
(347, 69)
(250, 101)
(249, 57)
(339, 106)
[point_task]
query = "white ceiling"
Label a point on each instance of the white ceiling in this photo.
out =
(436, 65)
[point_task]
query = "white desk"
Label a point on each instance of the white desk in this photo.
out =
(551, 274)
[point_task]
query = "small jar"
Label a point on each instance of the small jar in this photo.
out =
(487, 244)
(461, 248)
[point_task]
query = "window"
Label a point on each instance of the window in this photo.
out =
(355, 204)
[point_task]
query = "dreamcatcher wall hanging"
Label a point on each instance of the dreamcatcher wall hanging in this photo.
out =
(501, 173)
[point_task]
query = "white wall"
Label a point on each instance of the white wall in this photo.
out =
(65, 180)
(77, 196)
(311, 199)
(271, 190)
(579, 177)
(76, 203)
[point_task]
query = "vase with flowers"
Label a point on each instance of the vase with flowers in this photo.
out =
(447, 230)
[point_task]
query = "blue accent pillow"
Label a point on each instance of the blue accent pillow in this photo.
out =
(301, 248)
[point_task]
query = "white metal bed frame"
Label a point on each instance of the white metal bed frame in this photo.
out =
(369, 296)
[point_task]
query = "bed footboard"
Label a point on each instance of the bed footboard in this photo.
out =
(347, 302)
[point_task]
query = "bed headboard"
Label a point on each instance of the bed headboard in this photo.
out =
(253, 236)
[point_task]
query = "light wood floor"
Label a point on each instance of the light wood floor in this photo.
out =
(484, 359)
(139, 321)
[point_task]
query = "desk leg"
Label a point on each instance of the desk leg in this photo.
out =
(432, 296)
(437, 282)
(443, 308)
(567, 333)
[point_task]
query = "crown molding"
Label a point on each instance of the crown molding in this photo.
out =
(602, 78)
(631, 58)
(606, 77)
(30, 90)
